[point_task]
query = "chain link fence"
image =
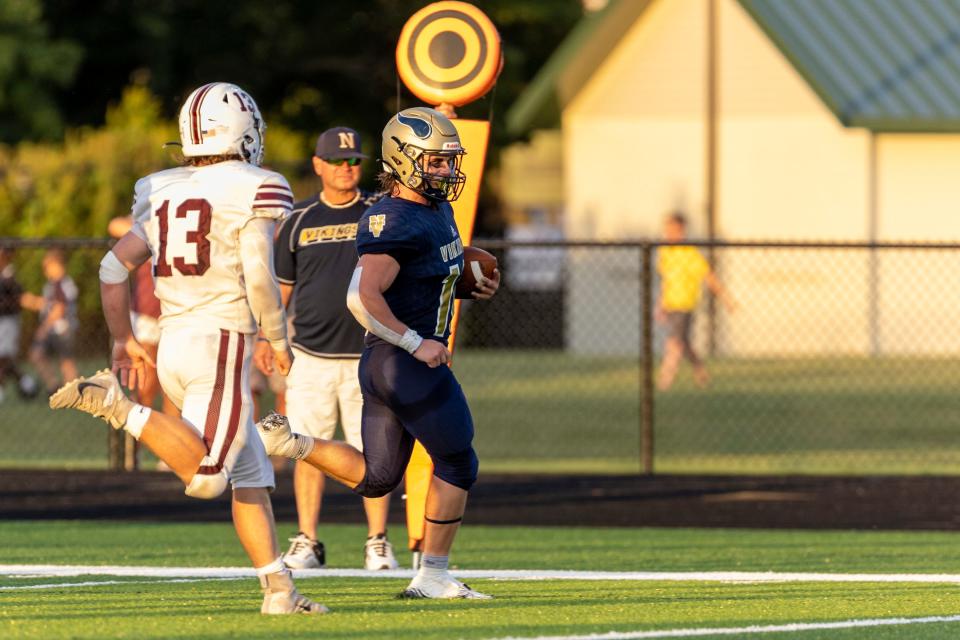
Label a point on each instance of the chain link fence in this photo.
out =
(837, 358)
(31, 435)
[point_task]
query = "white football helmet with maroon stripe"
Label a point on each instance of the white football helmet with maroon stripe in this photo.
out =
(221, 118)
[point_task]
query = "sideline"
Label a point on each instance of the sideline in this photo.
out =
(100, 583)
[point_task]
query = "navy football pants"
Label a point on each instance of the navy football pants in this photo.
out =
(404, 400)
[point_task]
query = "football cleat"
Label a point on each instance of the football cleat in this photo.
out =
(305, 553)
(441, 586)
(279, 440)
(280, 596)
(99, 395)
(378, 554)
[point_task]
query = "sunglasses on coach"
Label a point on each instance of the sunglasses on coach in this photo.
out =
(351, 162)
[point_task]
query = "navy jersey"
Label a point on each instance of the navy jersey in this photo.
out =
(315, 252)
(425, 241)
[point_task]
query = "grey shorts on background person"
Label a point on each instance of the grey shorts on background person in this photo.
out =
(679, 324)
(9, 336)
(57, 345)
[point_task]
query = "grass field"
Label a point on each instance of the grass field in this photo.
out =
(551, 411)
(108, 605)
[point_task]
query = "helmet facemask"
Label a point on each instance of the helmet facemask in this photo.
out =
(252, 146)
(411, 140)
(436, 187)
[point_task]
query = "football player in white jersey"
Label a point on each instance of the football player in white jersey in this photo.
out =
(208, 228)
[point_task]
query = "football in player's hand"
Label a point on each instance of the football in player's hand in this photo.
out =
(477, 264)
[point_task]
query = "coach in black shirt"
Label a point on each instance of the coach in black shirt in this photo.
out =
(315, 255)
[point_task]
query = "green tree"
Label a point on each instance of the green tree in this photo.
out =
(32, 67)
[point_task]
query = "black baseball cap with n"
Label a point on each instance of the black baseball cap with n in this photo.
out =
(339, 142)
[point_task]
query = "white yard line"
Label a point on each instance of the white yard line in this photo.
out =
(40, 570)
(739, 631)
(100, 583)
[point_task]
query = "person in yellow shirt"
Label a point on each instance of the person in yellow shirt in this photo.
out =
(683, 270)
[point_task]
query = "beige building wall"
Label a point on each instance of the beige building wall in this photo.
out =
(918, 199)
(788, 170)
(918, 195)
(634, 135)
(633, 151)
(634, 148)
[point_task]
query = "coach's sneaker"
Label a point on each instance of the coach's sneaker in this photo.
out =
(441, 585)
(305, 553)
(378, 553)
(280, 596)
(99, 395)
(279, 440)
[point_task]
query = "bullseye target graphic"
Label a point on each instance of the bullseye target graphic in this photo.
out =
(449, 52)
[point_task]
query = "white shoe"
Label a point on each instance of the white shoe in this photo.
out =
(305, 553)
(441, 586)
(279, 440)
(378, 554)
(100, 395)
(280, 596)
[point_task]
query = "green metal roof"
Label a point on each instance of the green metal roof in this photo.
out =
(885, 65)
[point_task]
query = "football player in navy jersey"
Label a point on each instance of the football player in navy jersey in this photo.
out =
(315, 255)
(402, 292)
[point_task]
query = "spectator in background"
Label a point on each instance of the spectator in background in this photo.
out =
(10, 293)
(683, 270)
(55, 337)
(315, 256)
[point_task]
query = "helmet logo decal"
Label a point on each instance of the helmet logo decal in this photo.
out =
(196, 133)
(420, 127)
